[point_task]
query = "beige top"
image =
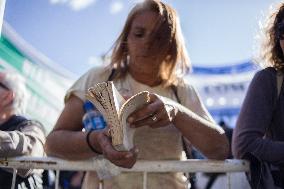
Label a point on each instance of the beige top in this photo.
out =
(154, 144)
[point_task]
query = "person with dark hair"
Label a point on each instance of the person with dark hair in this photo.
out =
(259, 133)
(149, 55)
(18, 135)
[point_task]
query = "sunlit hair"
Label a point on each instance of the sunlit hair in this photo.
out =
(271, 52)
(16, 84)
(175, 58)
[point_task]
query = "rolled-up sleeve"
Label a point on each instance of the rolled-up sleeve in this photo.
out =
(191, 99)
(93, 76)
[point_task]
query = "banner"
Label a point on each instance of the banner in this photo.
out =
(46, 87)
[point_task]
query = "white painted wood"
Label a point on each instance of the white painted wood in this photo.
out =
(190, 166)
(96, 164)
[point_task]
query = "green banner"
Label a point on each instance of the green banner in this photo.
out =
(45, 87)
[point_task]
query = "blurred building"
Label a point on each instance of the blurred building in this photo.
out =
(46, 81)
(223, 89)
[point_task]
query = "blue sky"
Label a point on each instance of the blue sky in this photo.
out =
(74, 33)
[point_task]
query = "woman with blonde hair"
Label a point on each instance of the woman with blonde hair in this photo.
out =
(149, 55)
(259, 134)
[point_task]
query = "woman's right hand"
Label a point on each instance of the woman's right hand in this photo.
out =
(124, 159)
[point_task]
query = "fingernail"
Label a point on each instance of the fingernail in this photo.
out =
(130, 119)
(129, 155)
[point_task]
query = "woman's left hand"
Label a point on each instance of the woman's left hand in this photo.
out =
(155, 114)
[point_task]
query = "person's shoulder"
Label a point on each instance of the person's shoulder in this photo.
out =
(31, 123)
(186, 90)
(34, 122)
(94, 75)
(184, 84)
(265, 77)
(266, 73)
(264, 83)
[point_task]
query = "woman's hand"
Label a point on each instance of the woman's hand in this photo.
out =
(155, 114)
(124, 159)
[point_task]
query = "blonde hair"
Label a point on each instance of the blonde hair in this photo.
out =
(175, 58)
(271, 53)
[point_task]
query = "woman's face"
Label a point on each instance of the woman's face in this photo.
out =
(281, 34)
(282, 45)
(141, 46)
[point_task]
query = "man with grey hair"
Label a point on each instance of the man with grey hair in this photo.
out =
(18, 135)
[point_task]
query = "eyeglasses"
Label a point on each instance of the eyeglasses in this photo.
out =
(4, 86)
